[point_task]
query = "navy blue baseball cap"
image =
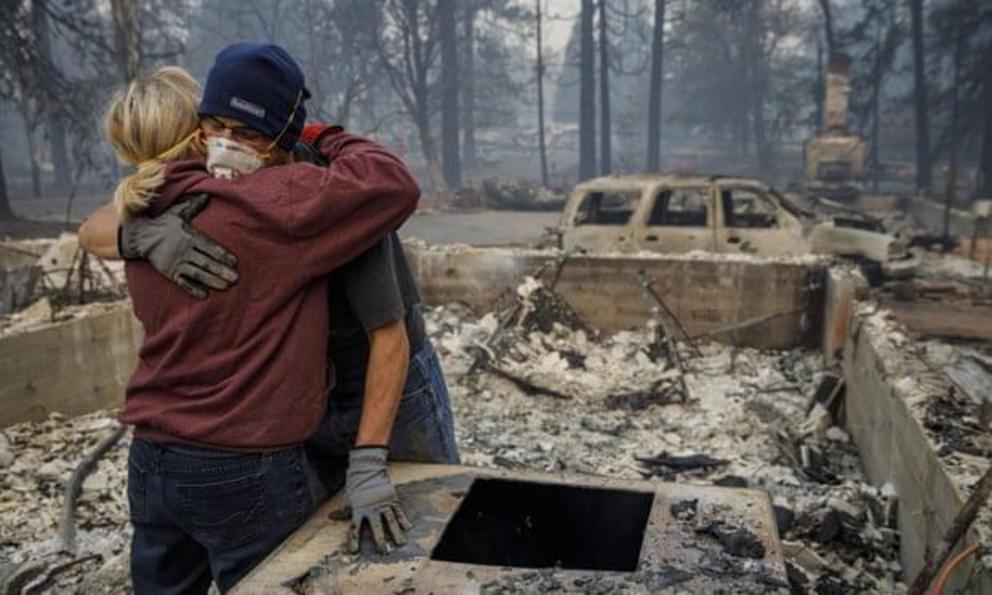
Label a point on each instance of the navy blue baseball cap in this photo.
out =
(261, 85)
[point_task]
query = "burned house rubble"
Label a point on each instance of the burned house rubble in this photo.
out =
(565, 399)
(538, 390)
(802, 426)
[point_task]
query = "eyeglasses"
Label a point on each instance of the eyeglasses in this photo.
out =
(212, 125)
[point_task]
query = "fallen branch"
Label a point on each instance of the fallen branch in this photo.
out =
(524, 384)
(67, 524)
(959, 526)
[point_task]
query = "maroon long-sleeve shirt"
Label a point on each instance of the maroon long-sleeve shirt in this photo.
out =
(247, 367)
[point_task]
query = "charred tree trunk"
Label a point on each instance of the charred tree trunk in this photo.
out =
(742, 104)
(56, 124)
(449, 97)
(657, 80)
(923, 166)
(984, 189)
(951, 187)
(434, 169)
(60, 155)
(468, 89)
(587, 95)
(29, 130)
(127, 37)
(755, 68)
(606, 150)
(540, 100)
(5, 211)
(828, 26)
(876, 92)
(820, 87)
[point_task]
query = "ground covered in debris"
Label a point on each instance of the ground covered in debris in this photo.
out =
(533, 389)
(36, 463)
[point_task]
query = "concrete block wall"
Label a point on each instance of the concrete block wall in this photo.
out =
(882, 389)
(706, 293)
(73, 367)
(843, 288)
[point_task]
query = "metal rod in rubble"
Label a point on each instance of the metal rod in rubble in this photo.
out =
(674, 356)
(648, 286)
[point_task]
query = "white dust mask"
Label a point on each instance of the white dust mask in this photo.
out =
(228, 159)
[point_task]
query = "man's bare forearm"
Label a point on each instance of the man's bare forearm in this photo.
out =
(389, 357)
(98, 234)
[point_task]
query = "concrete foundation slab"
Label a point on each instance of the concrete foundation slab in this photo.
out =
(685, 547)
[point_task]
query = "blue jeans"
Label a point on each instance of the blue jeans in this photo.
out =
(424, 430)
(201, 514)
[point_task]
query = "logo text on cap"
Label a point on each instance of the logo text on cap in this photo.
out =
(247, 106)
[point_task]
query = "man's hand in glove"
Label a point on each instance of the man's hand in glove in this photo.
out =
(187, 257)
(372, 499)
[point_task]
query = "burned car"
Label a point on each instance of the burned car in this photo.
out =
(676, 214)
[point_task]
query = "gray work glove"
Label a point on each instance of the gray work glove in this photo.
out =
(187, 257)
(372, 498)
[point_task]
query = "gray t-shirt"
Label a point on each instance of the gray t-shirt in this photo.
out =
(367, 293)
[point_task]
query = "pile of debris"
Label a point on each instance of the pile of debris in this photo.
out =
(47, 281)
(540, 392)
(961, 417)
(44, 546)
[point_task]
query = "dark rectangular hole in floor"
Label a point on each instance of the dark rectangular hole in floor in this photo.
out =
(538, 525)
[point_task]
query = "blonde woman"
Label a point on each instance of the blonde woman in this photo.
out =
(226, 389)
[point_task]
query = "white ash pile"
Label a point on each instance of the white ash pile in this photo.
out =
(519, 194)
(37, 461)
(533, 389)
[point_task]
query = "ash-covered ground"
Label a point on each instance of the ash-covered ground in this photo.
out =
(532, 389)
(37, 460)
(745, 424)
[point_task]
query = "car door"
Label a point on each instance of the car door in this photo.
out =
(751, 222)
(678, 219)
(599, 220)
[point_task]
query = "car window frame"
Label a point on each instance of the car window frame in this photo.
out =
(761, 193)
(635, 214)
(658, 189)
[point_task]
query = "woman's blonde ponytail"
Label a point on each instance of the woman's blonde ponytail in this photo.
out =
(153, 121)
(135, 192)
